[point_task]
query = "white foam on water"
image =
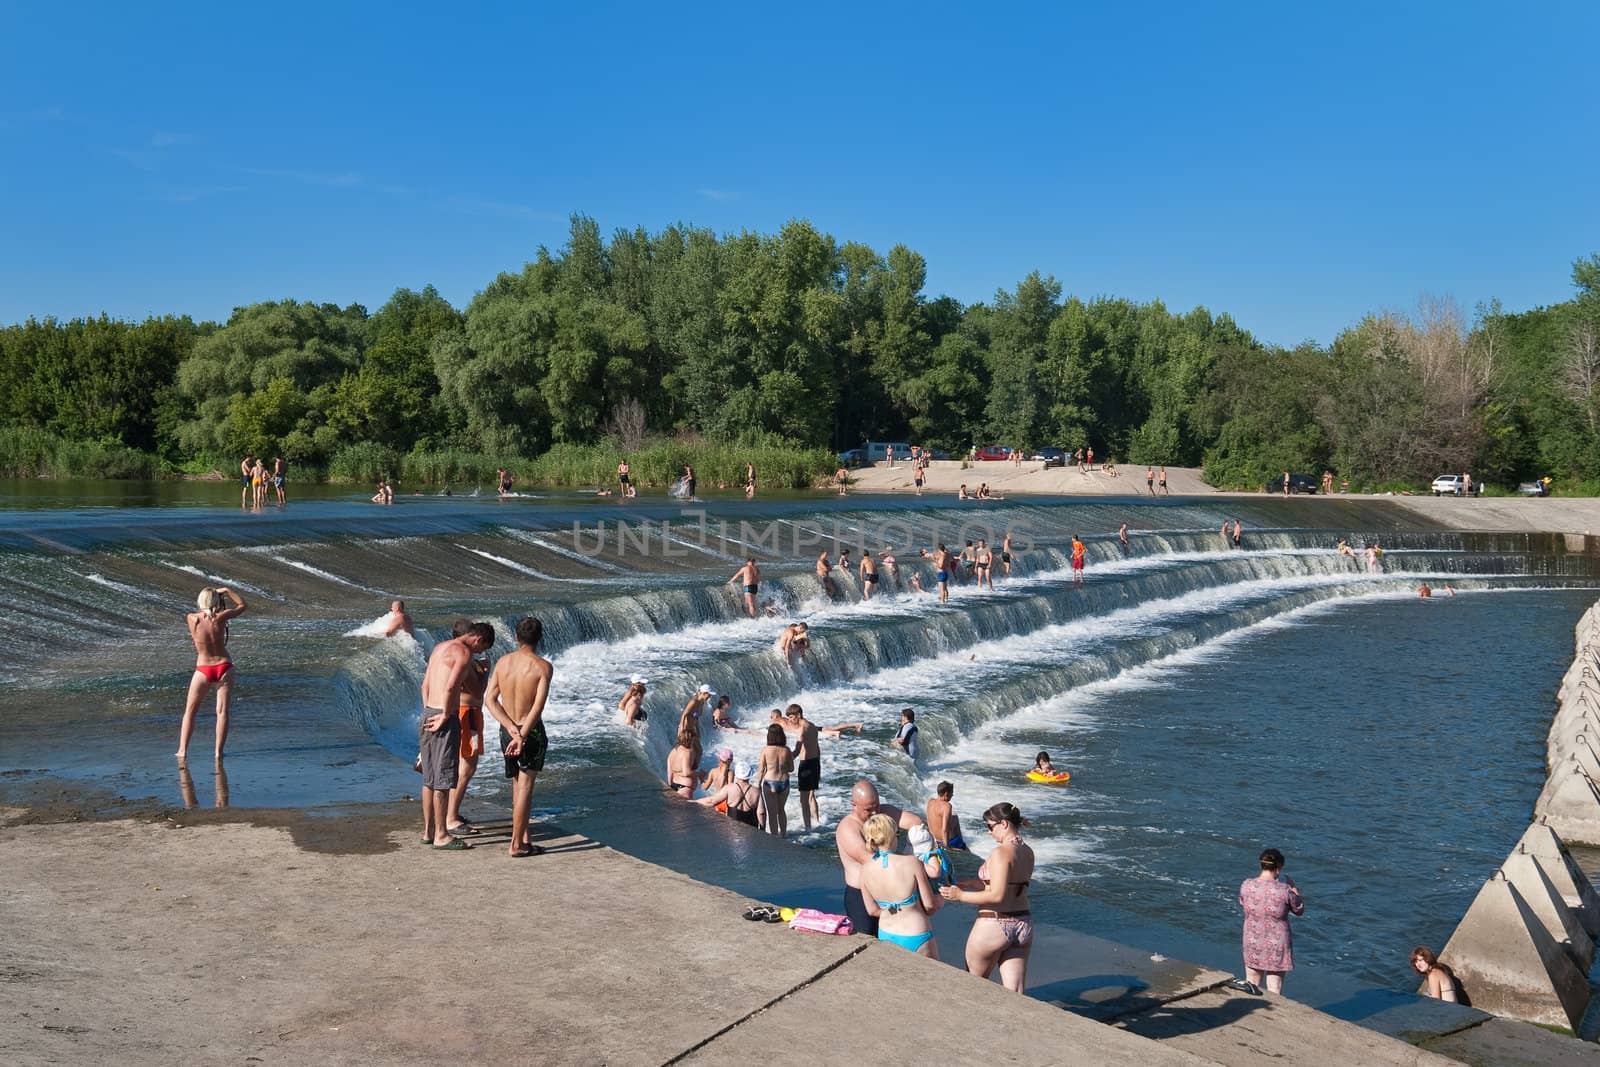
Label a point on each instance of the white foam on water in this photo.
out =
(231, 583)
(562, 550)
(511, 564)
(315, 572)
(128, 590)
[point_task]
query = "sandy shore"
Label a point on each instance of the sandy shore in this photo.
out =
(1569, 515)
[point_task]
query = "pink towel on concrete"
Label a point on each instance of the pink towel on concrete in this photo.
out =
(820, 922)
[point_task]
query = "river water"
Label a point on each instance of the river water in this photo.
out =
(1209, 702)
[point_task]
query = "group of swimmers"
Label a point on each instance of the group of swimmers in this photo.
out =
(255, 479)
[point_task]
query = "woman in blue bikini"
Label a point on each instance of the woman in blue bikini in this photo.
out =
(896, 889)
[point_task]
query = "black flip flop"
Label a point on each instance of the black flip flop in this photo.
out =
(455, 845)
(1245, 987)
(754, 912)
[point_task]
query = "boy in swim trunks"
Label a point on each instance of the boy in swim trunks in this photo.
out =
(515, 697)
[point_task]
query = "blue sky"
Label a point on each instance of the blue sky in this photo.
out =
(1295, 168)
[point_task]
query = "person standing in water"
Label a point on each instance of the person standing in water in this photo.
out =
(624, 479)
(448, 667)
(1077, 559)
(854, 852)
(824, 575)
(632, 703)
(1238, 534)
(472, 689)
(689, 721)
(1122, 538)
(689, 481)
(906, 739)
(749, 576)
(1005, 556)
(245, 467)
(749, 481)
(869, 574)
(983, 564)
(943, 564)
(1003, 935)
(517, 692)
(280, 471)
(808, 761)
(208, 630)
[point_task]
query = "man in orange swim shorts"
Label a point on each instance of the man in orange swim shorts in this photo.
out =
(472, 686)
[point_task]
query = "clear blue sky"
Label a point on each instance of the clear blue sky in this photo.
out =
(1295, 168)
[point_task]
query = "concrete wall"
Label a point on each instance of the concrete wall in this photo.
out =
(1525, 946)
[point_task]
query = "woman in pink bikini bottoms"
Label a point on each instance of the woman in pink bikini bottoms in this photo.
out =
(208, 629)
(1003, 934)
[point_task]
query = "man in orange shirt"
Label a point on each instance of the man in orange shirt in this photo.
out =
(1077, 559)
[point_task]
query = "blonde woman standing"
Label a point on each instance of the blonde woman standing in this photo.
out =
(213, 668)
(896, 890)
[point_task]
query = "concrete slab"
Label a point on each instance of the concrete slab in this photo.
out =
(1509, 965)
(887, 1006)
(1105, 980)
(138, 944)
(1509, 1043)
(1406, 1016)
(1245, 1031)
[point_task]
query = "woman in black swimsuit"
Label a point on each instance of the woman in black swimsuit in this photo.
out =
(738, 798)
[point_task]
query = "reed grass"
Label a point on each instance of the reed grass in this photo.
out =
(31, 453)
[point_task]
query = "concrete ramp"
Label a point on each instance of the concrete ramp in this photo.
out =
(1540, 842)
(1527, 875)
(1510, 965)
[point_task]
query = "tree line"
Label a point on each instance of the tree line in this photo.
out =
(797, 339)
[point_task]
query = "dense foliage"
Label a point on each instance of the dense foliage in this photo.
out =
(793, 342)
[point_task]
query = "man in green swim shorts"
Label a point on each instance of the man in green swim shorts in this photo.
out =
(515, 697)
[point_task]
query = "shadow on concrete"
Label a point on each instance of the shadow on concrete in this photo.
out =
(1175, 1020)
(1099, 996)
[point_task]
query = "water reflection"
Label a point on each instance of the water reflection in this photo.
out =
(186, 790)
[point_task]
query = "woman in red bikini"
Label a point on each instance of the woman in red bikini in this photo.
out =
(208, 628)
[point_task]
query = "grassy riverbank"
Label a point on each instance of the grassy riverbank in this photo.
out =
(655, 463)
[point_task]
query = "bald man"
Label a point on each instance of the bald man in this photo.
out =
(853, 851)
(399, 621)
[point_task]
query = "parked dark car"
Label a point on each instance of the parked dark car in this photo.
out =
(1298, 483)
(855, 457)
(1537, 487)
(1052, 457)
(993, 452)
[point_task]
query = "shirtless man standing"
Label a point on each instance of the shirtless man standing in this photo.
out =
(793, 642)
(399, 621)
(808, 761)
(869, 576)
(208, 629)
(943, 564)
(749, 576)
(984, 560)
(472, 687)
(515, 697)
(279, 472)
(441, 727)
(824, 566)
(624, 479)
(245, 466)
(853, 850)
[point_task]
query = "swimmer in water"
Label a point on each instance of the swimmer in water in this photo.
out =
(681, 763)
(398, 621)
(793, 642)
(824, 566)
(1041, 763)
(690, 719)
(1424, 590)
(720, 717)
(632, 703)
(749, 576)
(1005, 556)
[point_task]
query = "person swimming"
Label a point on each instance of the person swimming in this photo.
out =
(1041, 763)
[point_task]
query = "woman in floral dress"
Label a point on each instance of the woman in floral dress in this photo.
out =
(1268, 900)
